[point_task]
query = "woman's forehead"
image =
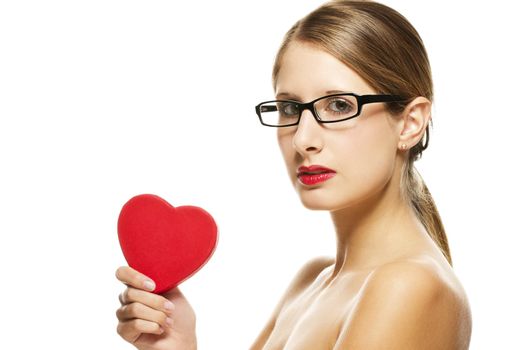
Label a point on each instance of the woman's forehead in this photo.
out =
(306, 70)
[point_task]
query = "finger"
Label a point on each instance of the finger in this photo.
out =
(152, 300)
(132, 277)
(140, 311)
(131, 330)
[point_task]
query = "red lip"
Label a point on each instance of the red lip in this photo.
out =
(314, 174)
(314, 168)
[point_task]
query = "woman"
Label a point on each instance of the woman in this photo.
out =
(353, 103)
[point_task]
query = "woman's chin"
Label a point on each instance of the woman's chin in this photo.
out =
(315, 201)
(324, 199)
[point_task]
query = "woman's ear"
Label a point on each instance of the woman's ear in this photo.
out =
(416, 117)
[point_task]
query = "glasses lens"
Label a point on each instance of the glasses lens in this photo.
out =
(336, 108)
(279, 113)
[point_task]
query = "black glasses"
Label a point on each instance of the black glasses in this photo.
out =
(326, 109)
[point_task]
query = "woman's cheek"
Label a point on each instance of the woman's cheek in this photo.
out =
(288, 154)
(366, 168)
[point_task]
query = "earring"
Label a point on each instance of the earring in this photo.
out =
(403, 147)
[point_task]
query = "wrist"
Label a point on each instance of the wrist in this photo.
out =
(187, 343)
(192, 345)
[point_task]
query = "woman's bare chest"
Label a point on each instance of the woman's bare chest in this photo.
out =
(312, 320)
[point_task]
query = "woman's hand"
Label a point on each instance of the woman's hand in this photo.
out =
(150, 321)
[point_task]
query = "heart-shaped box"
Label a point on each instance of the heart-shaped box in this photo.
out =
(168, 244)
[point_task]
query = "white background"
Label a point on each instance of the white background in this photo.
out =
(103, 100)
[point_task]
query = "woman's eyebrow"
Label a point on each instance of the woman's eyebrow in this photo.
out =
(336, 92)
(287, 95)
(295, 97)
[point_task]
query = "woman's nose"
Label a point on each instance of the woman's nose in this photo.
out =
(308, 136)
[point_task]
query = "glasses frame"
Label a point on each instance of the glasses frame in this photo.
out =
(361, 100)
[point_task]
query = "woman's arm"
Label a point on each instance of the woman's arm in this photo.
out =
(302, 279)
(406, 306)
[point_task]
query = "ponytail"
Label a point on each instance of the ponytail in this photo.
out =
(423, 204)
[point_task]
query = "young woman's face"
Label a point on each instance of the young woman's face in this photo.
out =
(360, 151)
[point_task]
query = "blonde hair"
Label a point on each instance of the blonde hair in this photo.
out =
(388, 53)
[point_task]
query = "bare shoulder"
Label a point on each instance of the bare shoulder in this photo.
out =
(408, 304)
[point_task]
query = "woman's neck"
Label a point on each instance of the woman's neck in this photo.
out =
(376, 231)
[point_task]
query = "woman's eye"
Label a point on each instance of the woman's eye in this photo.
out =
(289, 109)
(340, 106)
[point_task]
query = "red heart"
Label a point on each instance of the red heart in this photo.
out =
(165, 243)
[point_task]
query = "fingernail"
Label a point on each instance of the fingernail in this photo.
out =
(168, 305)
(169, 321)
(149, 285)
